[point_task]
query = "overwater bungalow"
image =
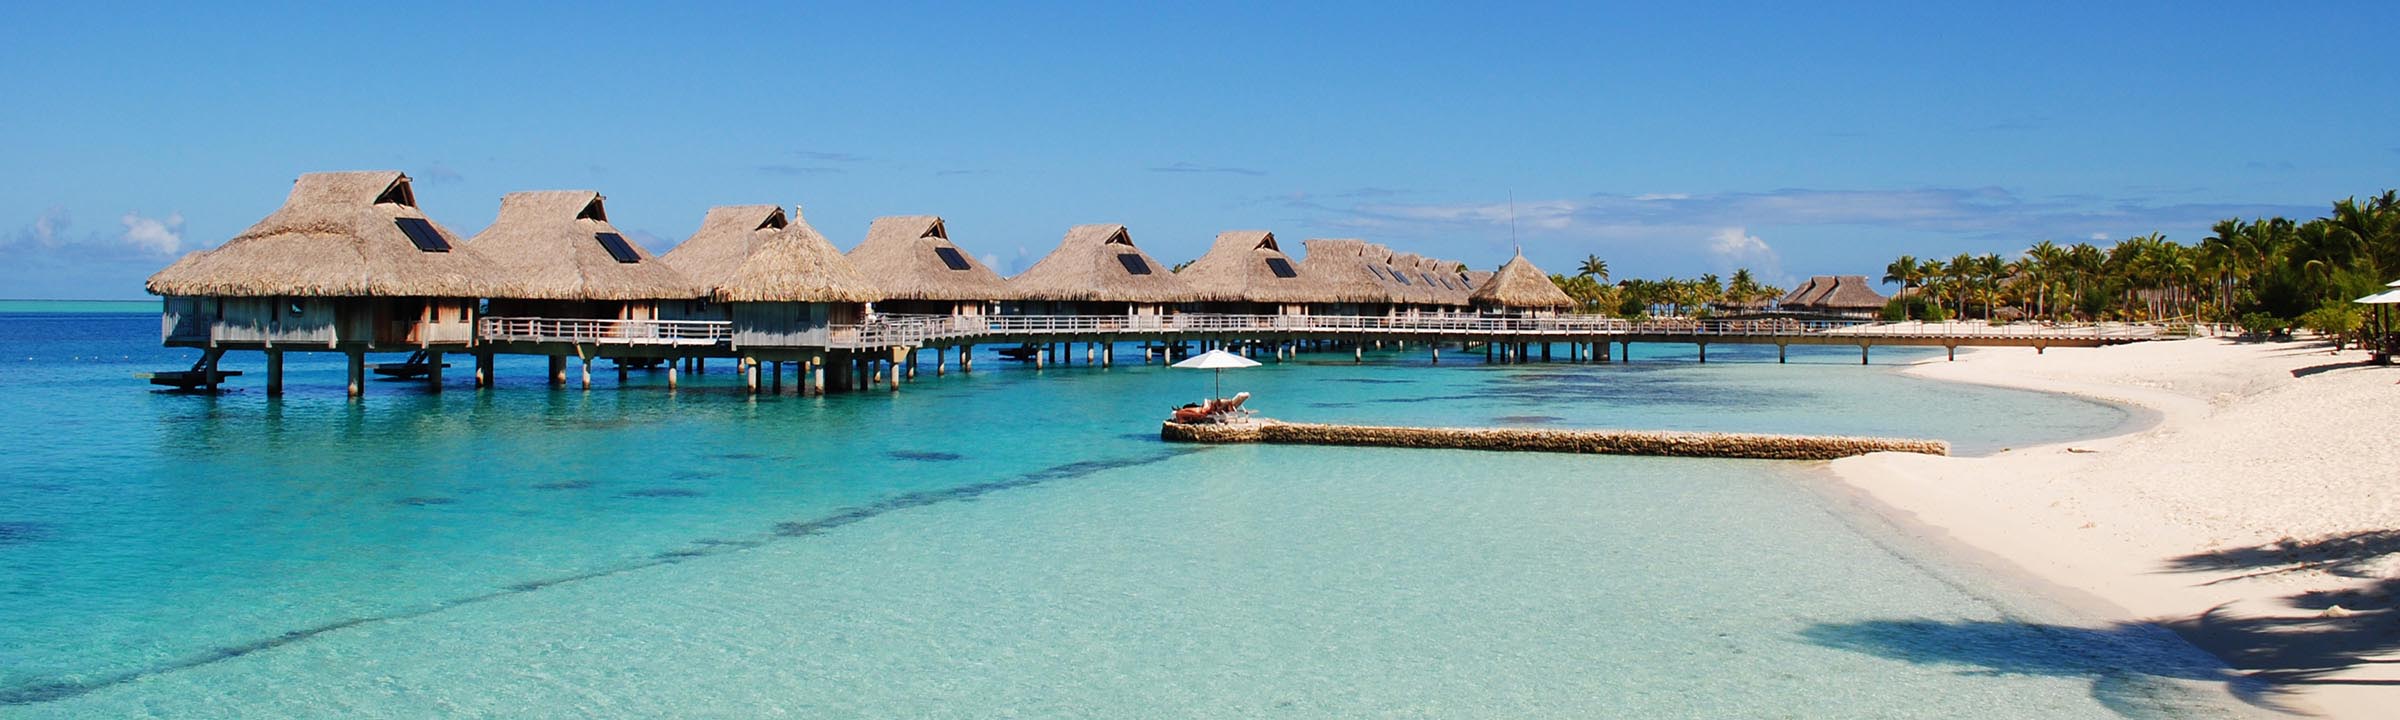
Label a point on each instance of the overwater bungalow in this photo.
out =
(1519, 288)
(790, 291)
(1837, 296)
(1345, 277)
(553, 254)
(728, 234)
(348, 264)
(918, 271)
(1096, 270)
(1245, 272)
(563, 281)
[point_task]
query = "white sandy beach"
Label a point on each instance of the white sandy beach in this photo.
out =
(2262, 499)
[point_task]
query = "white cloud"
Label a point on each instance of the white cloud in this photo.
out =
(46, 229)
(159, 237)
(2099, 236)
(1735, 247)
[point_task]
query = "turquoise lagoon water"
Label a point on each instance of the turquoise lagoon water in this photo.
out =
(1007, 543)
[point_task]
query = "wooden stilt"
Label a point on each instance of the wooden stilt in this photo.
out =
(673, 372)
(433, 372)
(274, 373)
(966, 358)
(587, 372)
(777, 385)
(941, 361)
(558, 371)
(357, 373)
(899, 355)
(1781, 351)
(483, 369)
(1703, 353)
(816, 375)
(749, 370)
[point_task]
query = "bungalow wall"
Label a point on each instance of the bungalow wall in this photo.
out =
(317, 321)
(790, 324)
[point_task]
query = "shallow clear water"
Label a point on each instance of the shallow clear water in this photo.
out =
(1009, 542)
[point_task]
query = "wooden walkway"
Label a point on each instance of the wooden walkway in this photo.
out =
(917, 331)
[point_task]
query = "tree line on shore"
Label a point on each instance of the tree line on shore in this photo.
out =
(1667, 297)
(2264, 274)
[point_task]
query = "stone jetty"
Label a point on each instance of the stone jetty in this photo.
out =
(1606, 442)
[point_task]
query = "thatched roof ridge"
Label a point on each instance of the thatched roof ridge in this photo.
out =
(1441, 277)
(1237, 268)
(1835, 292)
(795, 264)
(1518, 284)
(902, 255)
(336, 235)
(1087, 267)
(545, 246)
(727, 236)
(1338, 267)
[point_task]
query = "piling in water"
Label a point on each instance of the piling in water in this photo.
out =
(1606, 442)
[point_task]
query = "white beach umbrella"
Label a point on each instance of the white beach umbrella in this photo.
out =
(1217, 360)
(2394, 283)
(2387, 297)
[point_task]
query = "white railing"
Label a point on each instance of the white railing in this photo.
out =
(604, 332)
(885, 331)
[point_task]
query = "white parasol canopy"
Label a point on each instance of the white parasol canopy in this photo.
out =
(1217, 360)
(2387, 297)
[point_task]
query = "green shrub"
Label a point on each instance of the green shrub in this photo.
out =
(2332, 321)
(2262, 325)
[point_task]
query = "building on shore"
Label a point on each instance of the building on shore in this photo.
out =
(1245, 272)
(919, 271)
(348, 264)
(1835, 296)
(1519, 288)
(1096, 270)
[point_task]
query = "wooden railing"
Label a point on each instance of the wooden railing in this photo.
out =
(604, 332)
(885, 331)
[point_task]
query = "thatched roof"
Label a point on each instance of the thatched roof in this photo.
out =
(1834, 292)
(337, 235)
(1400, 275)
(548, 245)
(1096, 263)
(1338, 266)
(1448, 287)
(1476, 280)
(794, 263)
(1242, 267)
(904, 255)
(1519, 284)
(727, 236)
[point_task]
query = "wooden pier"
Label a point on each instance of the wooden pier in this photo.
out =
(1604, 442)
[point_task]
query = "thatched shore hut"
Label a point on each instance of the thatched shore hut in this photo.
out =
(1246, 272)
(918, 270)
(1096, 270)
(1847, 296)
(553, 254)
(1519, 288)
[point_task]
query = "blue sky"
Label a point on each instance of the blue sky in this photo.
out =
(1669, 140)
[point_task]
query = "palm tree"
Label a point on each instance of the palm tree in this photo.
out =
(2044, 261)
(1593, 267)
(1990, 268)
(1961, 270)
(1907, 272)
